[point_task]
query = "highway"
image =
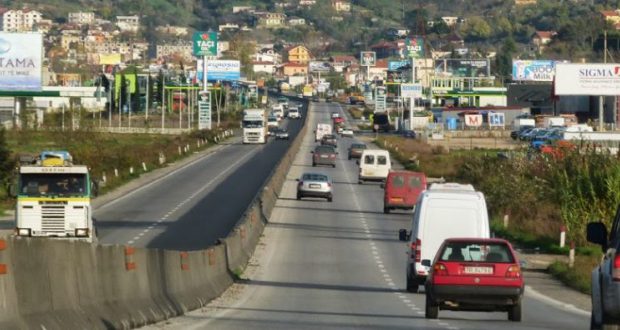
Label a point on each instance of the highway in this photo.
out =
(194, 206)
(340, 265)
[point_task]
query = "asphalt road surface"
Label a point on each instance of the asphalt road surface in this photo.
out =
(340, 265)
(196, 205)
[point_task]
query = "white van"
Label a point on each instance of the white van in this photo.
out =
(321, 130)
(375, 164)
(440, 214)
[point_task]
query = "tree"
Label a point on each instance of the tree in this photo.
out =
(6, 164)
(503, 61)
(476, 28)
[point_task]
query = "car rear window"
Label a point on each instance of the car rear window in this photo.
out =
(324, 149)
(415, 182)
(358, 146)
(398, 181)
(382, 160)
(314, 177)
(476, 252)
(369, 159)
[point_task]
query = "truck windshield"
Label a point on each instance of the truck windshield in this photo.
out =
(252, 124)
(53, 184)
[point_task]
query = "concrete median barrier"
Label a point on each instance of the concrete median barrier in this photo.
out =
(64, 284)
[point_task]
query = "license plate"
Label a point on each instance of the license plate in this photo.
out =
(324, 156)
(315, 185)
(478, 270)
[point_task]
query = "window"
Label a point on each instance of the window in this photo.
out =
(382, 160)
(398, 181)
(369, 159)
(476, 252)
(415, 182)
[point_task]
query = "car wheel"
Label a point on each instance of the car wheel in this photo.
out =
(330, 198)
(432, 308)
(514, 313)
(412, 285)
(386, 210)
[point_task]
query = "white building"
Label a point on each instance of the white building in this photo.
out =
(81, 18)
(266, 67)
(20, 20)
(182, 49)
(128, 23)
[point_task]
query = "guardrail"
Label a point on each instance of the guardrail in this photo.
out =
(62, 284)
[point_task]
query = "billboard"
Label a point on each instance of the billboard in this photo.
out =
(220, 70)
(534, 70)
(110, 59)
(204, 43)
(462, 68)
(411, 90)
(496, 119)
(368, 58)
(395, 65)
(587, 79)
(319, 66)
(20, 61)
(414, 47)
(473, 120)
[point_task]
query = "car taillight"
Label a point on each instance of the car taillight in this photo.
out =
(616, 270)
(416, 250)
(440, 269)
(332, 156)
(513, 271)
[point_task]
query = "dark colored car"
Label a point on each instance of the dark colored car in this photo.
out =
(402, 189)
(475, 274)
(408, 134)
(324, 155)
(329, 140)
(381, 122)
(355, 150)
(606, 276)
(281, 134)
(515, 134)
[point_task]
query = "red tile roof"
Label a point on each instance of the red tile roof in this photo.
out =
(609, 13)
(545, 34)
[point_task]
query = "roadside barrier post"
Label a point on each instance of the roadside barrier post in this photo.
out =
(571, 255)
(3, 266)
(129, 262)
(144, 166)
(562, 236)
(116, 172)
(183, 256)
(506, 220)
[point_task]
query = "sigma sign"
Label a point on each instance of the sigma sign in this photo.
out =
(587, 79)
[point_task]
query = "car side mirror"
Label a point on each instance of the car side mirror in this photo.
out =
(596, 233)
(426, 262)
(402, 235)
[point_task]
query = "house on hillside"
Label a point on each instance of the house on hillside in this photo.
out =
(296, 21)
(525, 2)
(541, 39)
(241, 9)
(341, 5)
(20, 20)
(450, 20)
(270, 20)
(385, 49)
(294, 69)
(612, 17)
(339, 62)
(128, 23)
(379, 71)
(297, 54)
(307, 3)
(263, 67)
(400, 32)
(81, 18)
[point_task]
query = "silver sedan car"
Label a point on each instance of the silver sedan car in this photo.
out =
(314, 185)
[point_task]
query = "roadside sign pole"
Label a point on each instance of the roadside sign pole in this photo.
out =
(412, 100)
(163, 103)
(148, 87)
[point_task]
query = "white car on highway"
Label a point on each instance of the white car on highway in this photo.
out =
(315, 185)
(293, 113)
(346, 132)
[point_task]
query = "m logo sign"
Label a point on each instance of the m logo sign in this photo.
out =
(473, 120)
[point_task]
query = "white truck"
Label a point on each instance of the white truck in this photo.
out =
(554, 122)
(53, 198)
(255, 126)
(321, 130)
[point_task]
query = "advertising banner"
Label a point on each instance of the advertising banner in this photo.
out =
(496, 119)
(220, 70)
(411, 90)
(368, 58)
(204, 43)
(414, 47)
(462, 68)
(20, 61)
(380, 99)
(535, 70)
(395, 65)
(473, 120)
(204, 111)
(110, 59)
(587, 79)
(318, 66)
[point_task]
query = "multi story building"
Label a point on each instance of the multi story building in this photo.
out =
(298, 54)
(128, 23)
(182, 49)
(81, 18)
(20, 20)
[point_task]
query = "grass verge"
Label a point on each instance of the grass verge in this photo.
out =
(577, 277)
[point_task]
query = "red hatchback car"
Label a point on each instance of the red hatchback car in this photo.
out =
(402, 189)
(475, 274)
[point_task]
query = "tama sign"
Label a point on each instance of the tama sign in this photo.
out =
(587, 79)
